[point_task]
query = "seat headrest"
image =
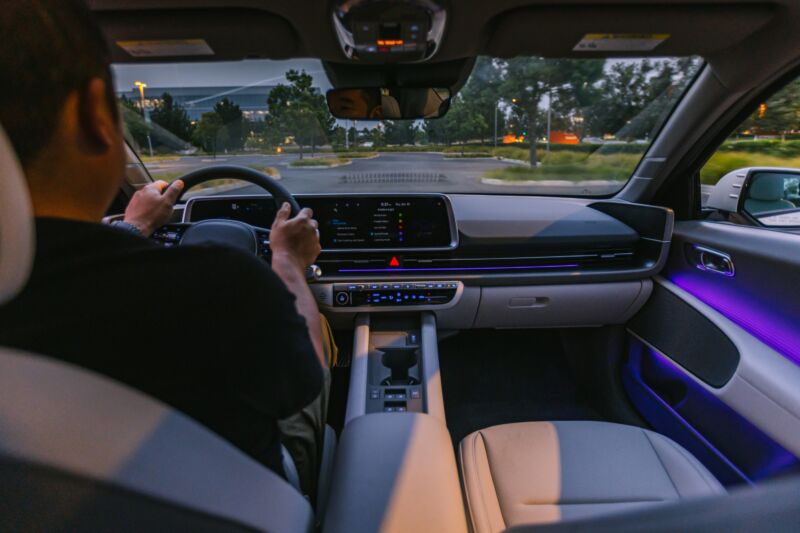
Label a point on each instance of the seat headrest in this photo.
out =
(16, 223)
(767, 187)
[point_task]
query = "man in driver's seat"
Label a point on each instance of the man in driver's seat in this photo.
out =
(214, 332)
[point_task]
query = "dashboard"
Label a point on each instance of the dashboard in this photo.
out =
(472, 260)
(352, 222)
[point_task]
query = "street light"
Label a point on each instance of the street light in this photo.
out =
(496, 107)
(141, 85)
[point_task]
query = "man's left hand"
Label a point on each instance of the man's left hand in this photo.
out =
(151, 206)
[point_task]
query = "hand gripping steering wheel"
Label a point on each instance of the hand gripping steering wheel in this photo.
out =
(233, 232)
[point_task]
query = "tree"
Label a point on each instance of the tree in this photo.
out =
(483, 92)
(375, 136)
(172, 117)
(299, 110)
(137, 128)
(577, 95)
(210, 132)
(463, 123)
(399, 131)
(779, 114)
(352, 134)
(525, 82)
(232, 118)
(436, 129)
(338, 137)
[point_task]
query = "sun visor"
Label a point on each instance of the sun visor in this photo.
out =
(197, 34)
(620, 31)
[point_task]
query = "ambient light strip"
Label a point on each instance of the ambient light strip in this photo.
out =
(455, 269)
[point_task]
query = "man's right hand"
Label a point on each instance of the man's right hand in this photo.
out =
(295, 238)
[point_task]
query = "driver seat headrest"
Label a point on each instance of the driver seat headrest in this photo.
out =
(16, 223)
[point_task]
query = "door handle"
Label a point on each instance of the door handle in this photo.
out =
(710, 260)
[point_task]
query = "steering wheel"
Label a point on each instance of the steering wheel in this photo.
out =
(230, 232)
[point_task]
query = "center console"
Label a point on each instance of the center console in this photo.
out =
(395, 366)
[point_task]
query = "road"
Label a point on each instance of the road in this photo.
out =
(388, 172)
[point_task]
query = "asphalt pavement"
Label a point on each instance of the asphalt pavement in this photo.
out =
(395, 172)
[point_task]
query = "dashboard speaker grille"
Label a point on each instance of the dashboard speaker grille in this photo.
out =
(394, 177)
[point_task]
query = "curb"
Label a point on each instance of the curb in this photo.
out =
(546, 183)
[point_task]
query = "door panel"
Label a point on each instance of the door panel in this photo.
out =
(701, 348)
(741, 416)
(763, 295)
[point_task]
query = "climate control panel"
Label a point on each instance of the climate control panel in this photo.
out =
(394, 294)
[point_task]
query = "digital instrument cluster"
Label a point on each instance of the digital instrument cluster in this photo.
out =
(357, 222)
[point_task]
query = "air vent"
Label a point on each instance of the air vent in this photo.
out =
(433, 264)
(393, 177)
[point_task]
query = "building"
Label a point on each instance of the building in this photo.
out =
(198, 100)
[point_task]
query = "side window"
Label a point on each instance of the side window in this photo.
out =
(756, 171)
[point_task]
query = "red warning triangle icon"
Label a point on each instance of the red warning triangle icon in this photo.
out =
(393, 262)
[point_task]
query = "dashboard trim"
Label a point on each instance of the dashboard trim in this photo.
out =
(454, 239)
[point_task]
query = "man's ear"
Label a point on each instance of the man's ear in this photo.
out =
(98, 122)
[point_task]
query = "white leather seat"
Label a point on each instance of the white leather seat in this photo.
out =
(544, 472)
(80, 452)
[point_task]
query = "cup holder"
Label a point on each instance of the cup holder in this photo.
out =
(399, 361)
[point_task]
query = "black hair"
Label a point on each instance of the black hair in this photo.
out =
(50, 49)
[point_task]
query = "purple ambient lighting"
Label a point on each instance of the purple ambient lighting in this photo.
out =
(691, 415)
(459, 269)
(775, 329)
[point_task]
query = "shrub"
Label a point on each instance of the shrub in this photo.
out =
(318, 162)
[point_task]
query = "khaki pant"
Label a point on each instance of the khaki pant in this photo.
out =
(302, 434)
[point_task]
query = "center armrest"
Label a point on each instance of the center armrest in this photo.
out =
(395, 472)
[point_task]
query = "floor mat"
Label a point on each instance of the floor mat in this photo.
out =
(492, 377)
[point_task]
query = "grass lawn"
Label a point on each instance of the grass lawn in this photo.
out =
(319, 162)
(723, 162)
(570, 166)
(158, 158)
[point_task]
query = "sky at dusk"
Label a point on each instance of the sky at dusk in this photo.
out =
(220, 74)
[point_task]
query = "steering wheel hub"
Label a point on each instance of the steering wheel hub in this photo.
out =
(226, 232)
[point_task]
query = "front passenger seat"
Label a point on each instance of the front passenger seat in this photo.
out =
(544, 472)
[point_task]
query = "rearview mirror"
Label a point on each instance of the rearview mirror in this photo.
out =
(770, 196)
(378, 103)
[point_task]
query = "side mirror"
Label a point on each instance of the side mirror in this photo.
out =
(768, 195)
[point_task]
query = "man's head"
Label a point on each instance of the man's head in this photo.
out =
(58, 106)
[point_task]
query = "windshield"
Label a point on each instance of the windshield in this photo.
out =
(526, 125)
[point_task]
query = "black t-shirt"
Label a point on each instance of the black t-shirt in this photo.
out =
(210, 331)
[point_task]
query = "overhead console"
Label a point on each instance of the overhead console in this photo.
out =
(389, 31)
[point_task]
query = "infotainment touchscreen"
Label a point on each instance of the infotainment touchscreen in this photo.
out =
(350, 222)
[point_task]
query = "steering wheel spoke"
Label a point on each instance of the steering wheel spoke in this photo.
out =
(169, 235)
(262, 236)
